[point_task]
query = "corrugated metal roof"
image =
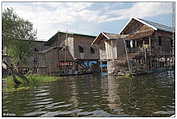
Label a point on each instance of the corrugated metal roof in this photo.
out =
(114, 36)
(108, 36)
(159, 26)
(54, 37)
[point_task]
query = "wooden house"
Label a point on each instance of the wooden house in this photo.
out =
(111, 46)
(156, 38)
(79, 45)
(63, 53)
(68, 53)
(140, 43)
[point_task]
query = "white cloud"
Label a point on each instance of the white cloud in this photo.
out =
(141, 9)
(48, 17)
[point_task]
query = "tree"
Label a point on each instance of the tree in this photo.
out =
(17, 35)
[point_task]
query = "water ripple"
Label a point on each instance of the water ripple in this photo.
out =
(95, 97)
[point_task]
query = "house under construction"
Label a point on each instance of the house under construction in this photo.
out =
(141, 46)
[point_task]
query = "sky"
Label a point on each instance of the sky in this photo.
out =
(89, 18)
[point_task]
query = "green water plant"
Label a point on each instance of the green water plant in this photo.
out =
(34, 80)
(126, 76)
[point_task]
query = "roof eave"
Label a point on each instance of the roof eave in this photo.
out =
(145, 23)
(125, 26)
(96, 39)
(105, 35)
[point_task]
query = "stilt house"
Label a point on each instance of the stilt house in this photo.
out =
(140, 45)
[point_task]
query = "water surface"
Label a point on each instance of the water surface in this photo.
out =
(96, 95)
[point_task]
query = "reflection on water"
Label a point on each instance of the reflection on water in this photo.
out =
(95, 95)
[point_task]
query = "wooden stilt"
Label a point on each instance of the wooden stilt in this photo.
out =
(101, 66)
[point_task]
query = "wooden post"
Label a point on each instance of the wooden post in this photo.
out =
(101, 66)
(58, 50)
(150, 44)
(150, 62)
(146, 59)
(127, 56)
(156, 63)
(135, 43)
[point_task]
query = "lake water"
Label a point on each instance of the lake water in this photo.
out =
(96, 95)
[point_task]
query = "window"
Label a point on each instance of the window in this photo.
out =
(128, 44)
(131, 43)
(160, 41)
(92, 50)
(81, 49)
(35, 49)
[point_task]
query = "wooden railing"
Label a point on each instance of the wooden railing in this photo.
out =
(139, 50)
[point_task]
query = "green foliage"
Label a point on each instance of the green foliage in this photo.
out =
(34, 80)
(17, 34)
(127, 76)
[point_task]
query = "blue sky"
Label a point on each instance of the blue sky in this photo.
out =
(88, 17)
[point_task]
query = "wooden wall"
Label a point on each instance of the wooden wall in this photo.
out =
(102, 51)
(85, 43)
(57, 39)
(166, 45)
(35, 45)
(120, 48)
(69, 42)
(74, 41)
(109, 49)
(65, 55)
(112, 49)
(43, 69)
(49, 59)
